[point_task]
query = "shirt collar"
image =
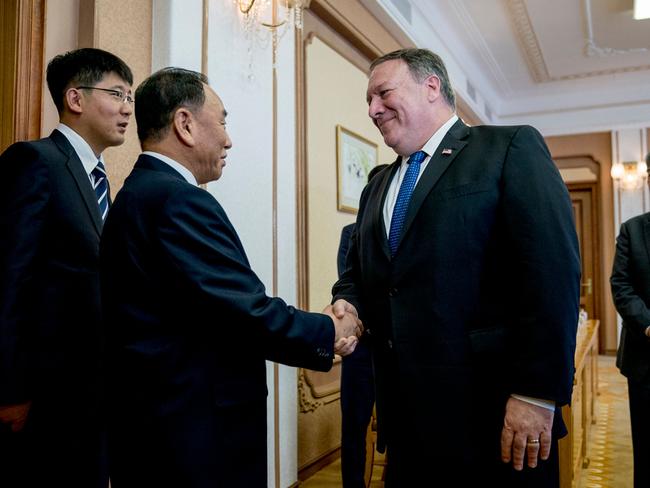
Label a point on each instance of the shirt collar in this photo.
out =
(432, 144)
(81, 147)
(185, 173)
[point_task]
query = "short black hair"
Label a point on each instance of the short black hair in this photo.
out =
(82, 67)
(159, 96)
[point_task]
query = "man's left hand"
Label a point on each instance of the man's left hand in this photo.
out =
(523, 425)
(15, 416)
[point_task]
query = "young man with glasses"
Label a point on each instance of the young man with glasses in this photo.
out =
(54, 196)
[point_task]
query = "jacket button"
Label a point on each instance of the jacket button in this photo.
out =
(392, 292)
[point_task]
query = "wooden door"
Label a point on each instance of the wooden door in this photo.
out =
(585, 210)
(21, 70)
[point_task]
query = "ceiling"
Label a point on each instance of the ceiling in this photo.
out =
(565, 66)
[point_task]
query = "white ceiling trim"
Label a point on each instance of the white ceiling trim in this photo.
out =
(535, 59)
(592, 49)
(528, 40)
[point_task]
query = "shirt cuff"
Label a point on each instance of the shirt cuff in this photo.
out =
(547, 404)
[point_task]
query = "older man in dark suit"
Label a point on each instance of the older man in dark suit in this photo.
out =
(189, 324)
(465, 268)
(630, 282)
(53, 201)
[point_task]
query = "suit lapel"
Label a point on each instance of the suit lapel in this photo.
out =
(454, 140)
(378, 214)
(76, 169)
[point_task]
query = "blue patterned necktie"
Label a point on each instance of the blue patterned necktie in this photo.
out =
(403, 198)
(100, 184)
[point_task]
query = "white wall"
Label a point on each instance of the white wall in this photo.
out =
(240, 71)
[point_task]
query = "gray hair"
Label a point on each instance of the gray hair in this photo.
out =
(423, 63)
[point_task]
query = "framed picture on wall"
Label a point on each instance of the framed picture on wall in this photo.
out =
(355, 157)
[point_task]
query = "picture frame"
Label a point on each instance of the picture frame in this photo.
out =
(355, 157)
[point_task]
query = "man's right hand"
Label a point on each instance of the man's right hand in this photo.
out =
(348, 328)
(15, 415)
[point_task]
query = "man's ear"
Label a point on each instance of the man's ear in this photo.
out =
(184, 126)
(433, 88)
(72, 101)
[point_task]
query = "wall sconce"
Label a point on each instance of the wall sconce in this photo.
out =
(630, 175)
(255, 11)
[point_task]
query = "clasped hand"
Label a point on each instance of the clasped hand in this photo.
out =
(348, 328)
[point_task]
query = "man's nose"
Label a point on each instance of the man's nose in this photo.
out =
(375, 108)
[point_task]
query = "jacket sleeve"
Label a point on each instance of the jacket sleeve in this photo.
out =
(629, 304)
(202, 249)
(23, 209)
(543, 267)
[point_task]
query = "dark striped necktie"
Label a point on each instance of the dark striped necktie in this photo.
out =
(403, 199)
(100, 184)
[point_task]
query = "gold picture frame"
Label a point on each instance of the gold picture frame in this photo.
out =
(355, 157)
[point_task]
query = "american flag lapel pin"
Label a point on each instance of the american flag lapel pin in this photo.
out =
(446, 151)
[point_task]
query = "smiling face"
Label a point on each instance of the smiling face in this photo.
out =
(212, 140)
(400, 107)
(101, 117)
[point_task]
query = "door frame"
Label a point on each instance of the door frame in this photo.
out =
(21, 74)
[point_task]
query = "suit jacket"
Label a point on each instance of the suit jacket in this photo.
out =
(50, 340)
(50, 311)
(189, 327)
(481, 297)
(344, 245)
(630, 282)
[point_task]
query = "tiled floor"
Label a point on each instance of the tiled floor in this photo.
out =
(611, 449)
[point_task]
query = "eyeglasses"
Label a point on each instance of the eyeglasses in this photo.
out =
(116, 94)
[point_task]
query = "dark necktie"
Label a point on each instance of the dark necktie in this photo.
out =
(100, 184)
(403, 198)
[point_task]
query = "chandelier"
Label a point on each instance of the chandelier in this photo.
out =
(266, 21)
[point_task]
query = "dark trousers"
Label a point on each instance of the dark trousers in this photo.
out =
(61, 446)
(206, 446)
(357, 398)
(407, 468)
(456, 440)
(639, 395)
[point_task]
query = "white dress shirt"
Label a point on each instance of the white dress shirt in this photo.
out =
(185, 173)
(83, 150)
(430, 147)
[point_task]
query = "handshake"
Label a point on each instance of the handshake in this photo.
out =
(348, 328)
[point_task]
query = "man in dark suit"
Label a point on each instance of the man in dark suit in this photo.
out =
(630, 282)
(53, 198)
(464, 267)
(189, 324)
(357, 387)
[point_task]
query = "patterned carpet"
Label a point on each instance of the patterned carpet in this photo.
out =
(610, 446)
(610, 456)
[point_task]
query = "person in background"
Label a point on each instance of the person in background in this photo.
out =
(357, 388)
(54, 197)
(465, 268)
(188, 323)
(630, 282)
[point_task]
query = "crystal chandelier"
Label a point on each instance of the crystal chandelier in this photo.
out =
(265, 21)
